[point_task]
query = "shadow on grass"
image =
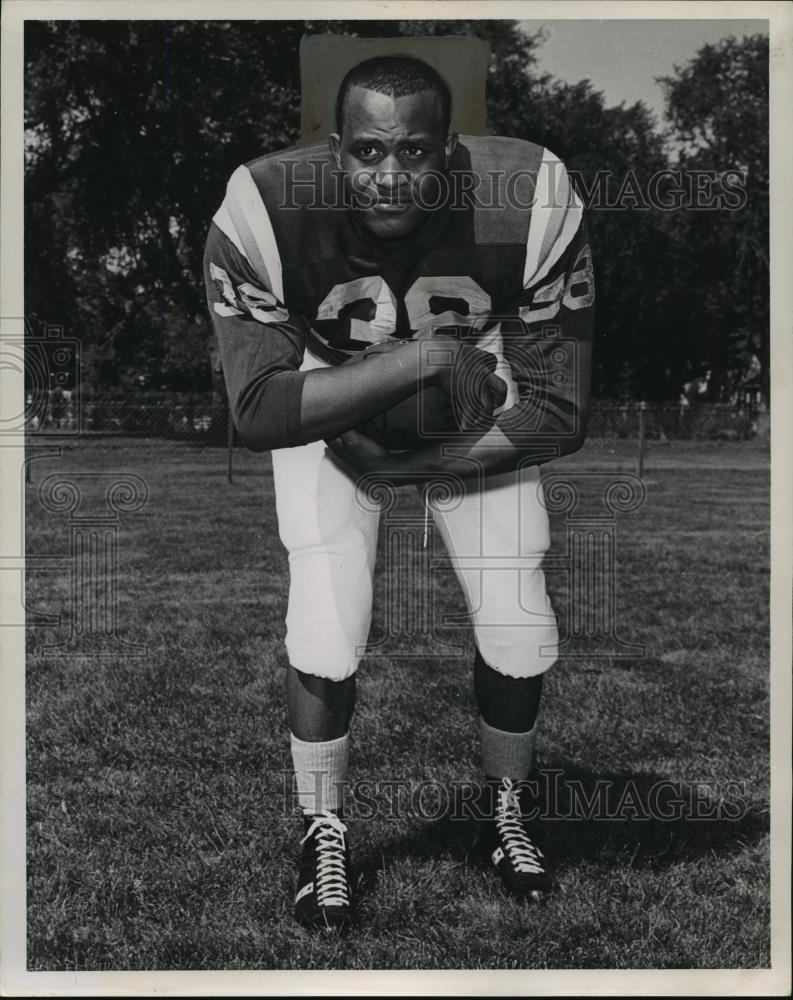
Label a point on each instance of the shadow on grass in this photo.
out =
(644, 820)
(648, 818)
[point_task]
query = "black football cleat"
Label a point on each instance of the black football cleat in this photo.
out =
(324, 897)
(510, 847)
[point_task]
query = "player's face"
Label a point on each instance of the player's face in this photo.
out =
(389, 149)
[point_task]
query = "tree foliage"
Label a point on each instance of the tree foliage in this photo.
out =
(718, 112)
(133, 127)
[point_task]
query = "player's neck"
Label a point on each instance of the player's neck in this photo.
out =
(428, 232)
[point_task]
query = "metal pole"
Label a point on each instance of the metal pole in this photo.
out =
(642, 408)
(229, 444)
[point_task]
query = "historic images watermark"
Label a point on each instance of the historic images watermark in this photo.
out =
(49, 361)
(94, 503)
(549, 796)
(319, 184)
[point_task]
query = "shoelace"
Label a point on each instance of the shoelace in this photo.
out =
(330, 884)
(524, 855)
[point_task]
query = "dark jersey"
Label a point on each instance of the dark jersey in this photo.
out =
(503, 262)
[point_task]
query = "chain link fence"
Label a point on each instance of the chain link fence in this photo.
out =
(631, 435)
(197, 418)
(627, 434)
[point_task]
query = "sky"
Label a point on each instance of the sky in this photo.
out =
(621, 58)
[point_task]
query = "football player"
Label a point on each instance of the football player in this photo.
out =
(404, 235)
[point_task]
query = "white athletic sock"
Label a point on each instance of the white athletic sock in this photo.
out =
(507, 755)
(320, 772)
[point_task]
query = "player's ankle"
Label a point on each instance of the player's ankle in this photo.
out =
(309, 815)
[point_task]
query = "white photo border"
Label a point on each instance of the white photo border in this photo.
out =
(14, 978)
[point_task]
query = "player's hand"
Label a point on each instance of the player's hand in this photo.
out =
(363, 454)
(467, 376)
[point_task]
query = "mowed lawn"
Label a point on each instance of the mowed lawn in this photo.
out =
(161, 834)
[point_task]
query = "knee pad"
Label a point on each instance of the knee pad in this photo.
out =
(336, 662)
(330, 606)
(519, 652)
(516, 629)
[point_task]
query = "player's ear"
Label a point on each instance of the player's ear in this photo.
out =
(451, 145)
(334, 141)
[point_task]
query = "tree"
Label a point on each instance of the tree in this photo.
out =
(126, 162)
(718, 112)
(613, 153)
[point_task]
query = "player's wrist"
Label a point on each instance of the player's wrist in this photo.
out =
(436, 360)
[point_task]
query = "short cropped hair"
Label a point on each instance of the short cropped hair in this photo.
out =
(396, 76)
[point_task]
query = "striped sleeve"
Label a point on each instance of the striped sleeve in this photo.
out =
(244, 219)
(556, 217)
(548, 335)
(261, 342)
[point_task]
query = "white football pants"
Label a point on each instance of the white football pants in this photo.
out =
(496, 534)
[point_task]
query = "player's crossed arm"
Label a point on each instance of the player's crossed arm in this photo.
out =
(336, 400)
(274, 405)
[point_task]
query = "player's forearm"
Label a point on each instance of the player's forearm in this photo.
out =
(281, 409)
(335, 400)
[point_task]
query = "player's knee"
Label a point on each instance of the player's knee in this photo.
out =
(329, 671)
(328, 639)
(520, 652)
(328, 617)
(325, 651)
(330, 660)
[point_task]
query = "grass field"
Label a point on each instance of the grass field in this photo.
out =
(160, 835)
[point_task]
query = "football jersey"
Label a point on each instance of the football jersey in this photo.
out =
(503, 260)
